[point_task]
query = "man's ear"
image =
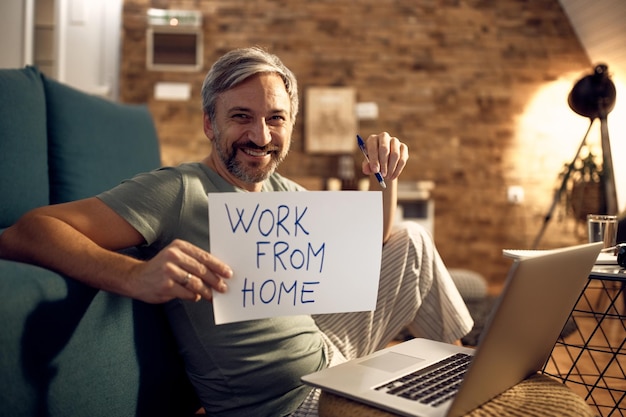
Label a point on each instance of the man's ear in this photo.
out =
(208, 127)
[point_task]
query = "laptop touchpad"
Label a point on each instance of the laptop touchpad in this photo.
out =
(391, 362)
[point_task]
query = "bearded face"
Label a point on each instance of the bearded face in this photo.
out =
(249, 170)
(250, 131)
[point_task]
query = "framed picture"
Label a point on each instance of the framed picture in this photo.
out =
(330, 120)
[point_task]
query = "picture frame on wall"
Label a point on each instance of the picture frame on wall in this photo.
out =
(330, 120)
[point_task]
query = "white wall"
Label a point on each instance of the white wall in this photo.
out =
(12, 33)
(88, 41)
(89, 45)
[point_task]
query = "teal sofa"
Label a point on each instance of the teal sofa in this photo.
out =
(67, 349)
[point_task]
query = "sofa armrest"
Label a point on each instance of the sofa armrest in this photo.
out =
(68, 349)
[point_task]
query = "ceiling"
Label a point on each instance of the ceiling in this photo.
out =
(601, 28)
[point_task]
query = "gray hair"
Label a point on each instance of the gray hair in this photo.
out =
(238, 65)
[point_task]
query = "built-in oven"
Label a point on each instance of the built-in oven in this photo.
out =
(174, 40)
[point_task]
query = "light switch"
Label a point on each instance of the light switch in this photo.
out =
(515, 194)
(367, 110)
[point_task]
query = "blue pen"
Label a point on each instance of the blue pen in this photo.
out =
(379, 177)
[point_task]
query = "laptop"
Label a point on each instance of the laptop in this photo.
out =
(540, 291)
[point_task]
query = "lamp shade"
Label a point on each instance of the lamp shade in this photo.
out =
(593, 96)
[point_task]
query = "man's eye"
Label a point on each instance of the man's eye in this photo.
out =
(277, 119)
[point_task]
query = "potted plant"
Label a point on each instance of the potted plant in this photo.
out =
(584, 187)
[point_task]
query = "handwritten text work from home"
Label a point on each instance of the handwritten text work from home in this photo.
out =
(296, 252)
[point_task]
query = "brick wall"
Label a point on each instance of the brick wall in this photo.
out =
(450, 77)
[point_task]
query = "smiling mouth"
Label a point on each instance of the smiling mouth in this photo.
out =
(256, 152)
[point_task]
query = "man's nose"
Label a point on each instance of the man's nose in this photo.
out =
(259, 133)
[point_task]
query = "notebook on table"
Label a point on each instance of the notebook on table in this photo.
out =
(539, 293)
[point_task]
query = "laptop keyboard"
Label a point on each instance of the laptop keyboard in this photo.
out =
(432, 385)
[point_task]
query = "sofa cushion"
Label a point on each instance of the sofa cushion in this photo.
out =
(23, 144)
(94, 143)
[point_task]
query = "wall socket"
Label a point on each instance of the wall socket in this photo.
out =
(515, 194)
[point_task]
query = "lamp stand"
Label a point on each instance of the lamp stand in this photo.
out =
(608, 176)
(592, 96)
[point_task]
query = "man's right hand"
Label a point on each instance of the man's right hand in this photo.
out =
(180, 270)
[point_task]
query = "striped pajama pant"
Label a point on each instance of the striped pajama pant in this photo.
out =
(415, 292)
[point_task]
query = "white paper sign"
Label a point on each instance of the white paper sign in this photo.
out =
(293, 253)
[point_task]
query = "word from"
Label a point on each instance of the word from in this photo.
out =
(296, 258)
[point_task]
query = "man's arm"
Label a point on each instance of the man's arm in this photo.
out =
(390, 203)
(388, 156)
(79, 239)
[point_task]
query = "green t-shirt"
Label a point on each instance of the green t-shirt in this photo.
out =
(247, 368)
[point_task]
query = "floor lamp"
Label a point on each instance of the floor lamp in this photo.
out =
(592, 96)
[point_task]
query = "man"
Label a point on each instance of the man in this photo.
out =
(250, 103)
